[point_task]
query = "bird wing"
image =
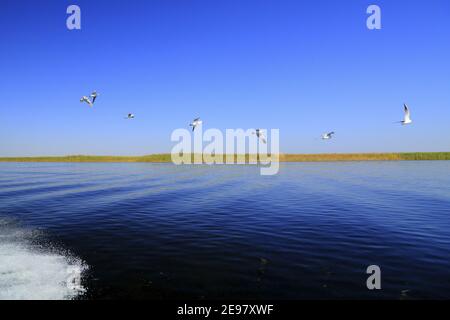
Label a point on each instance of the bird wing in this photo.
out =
(407, 113)
(86, 99)
(94, 96)
(262, 136)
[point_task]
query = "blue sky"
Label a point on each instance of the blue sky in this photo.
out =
(304, 67)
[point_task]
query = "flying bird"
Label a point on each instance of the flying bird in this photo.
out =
(86, 99)
(327, 136)
(407, 116)
(260, 134)
(130, 116)
(195, 123)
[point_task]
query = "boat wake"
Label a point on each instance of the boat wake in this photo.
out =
(36, 272)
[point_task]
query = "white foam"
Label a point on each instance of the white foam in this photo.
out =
(31, 272)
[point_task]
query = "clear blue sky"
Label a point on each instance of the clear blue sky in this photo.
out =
(304, 67)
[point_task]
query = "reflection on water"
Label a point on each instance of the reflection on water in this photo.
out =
(165, 231)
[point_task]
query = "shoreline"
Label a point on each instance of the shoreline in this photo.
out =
(166, 158)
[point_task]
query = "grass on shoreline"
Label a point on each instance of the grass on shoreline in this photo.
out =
(412, 156)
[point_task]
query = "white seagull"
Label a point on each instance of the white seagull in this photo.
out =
(130, 116)
(260, 134)
(94, 96)
(195, 123)
(86, 99)
(407, 117)
(328, 136)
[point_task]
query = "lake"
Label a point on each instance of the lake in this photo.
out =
(160, 231)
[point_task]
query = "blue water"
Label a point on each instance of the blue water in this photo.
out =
(153, 231)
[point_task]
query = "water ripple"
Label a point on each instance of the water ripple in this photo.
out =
(165, 231)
